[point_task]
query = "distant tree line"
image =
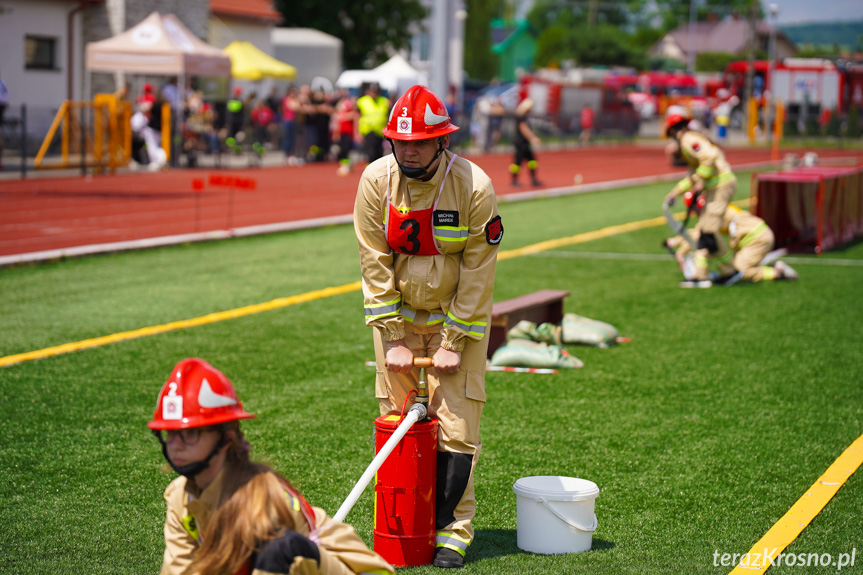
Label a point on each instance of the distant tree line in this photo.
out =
(577, 32)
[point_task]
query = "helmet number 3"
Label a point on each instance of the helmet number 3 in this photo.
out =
(413, 236)
(404, 111)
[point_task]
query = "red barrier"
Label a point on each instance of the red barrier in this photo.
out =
(817, 208)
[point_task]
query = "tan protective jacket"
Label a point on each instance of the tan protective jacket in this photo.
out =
(453, 289)
(706, 162)
(190, 512)
(740, 226)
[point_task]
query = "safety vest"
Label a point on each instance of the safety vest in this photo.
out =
(373, 114)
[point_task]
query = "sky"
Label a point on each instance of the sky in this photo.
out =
(802, 11)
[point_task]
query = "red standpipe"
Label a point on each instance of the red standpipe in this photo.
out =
(404, 531)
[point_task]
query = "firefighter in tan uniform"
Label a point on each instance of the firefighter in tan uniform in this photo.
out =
(428, 232)
(750, 239)
(710, 174)
(227, 514)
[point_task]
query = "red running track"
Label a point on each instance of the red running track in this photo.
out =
(58, 213)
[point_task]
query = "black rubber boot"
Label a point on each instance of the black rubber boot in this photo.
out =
(447, 558)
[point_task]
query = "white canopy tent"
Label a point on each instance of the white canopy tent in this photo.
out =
(160, 44)
(393, 76)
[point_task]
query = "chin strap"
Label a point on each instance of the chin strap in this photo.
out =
(190, 470)
(416, 173)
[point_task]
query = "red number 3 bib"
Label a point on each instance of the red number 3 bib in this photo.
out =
(412, 233)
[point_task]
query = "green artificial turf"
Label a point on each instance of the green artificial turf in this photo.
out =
(701, 432)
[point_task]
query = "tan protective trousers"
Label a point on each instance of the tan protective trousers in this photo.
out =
(710, 222)
(456, 401)
(748, 257)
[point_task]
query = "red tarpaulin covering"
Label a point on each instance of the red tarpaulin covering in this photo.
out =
(811, 208)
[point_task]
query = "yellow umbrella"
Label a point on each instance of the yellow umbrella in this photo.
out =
(250, 63)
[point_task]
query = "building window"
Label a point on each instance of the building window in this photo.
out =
(40, 53)
(422, 48)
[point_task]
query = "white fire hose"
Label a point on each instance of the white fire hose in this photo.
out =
(415, 413)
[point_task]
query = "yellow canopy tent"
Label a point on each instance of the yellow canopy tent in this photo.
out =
(250, 63)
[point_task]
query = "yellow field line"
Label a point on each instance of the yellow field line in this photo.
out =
(183, 324)
(302, 298)
(759, 558)
(764, 553)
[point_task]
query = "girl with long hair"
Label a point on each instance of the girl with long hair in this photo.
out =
(228, 515)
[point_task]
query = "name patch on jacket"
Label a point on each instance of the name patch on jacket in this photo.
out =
(445, 218)
(494, 231)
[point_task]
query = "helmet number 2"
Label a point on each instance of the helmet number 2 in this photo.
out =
(413, 236)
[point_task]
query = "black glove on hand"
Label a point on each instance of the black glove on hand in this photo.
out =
(278, 555)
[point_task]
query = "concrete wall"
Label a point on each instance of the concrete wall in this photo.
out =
(311, 52)
(44, 18)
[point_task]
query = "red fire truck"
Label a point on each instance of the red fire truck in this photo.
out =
(652, 92)
(806, 86)
(561, 97)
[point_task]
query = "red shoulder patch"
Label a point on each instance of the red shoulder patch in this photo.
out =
(695, 147)
(494, 231)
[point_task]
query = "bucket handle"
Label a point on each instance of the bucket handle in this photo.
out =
(568, 521)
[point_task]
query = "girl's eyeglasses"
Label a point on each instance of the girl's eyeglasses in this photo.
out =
(188, 436)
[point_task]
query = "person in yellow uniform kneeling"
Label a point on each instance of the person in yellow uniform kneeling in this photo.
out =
(710, 174)
(750, 239)
(228, 515)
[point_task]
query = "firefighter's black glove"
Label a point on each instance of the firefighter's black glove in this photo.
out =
(278, 555)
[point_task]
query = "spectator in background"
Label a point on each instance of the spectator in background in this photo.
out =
(322, 117)
(235, 120)
(525, 139)
(290, 109)
(262, 117)
(146, 99)
(309, 129)
(374, 110)
(171, 93)
(496, 112)
(346, 118)
(587, 118)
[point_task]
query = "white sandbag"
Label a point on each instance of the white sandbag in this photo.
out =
(585, 331)
(527, 353)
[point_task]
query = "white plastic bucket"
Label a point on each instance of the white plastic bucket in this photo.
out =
(555, 514)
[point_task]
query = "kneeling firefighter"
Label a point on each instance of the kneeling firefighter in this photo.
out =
(428, 230)
(227, 513)
(710, 175)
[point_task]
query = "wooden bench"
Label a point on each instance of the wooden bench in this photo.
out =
(539, 307)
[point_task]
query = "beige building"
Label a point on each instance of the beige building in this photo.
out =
(730, 35)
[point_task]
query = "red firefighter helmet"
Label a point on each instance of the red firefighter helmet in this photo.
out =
(673, 120)
(418, 115)
(700, 202)
(196, 395)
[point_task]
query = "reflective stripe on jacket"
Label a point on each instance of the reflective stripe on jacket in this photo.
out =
(454, 287)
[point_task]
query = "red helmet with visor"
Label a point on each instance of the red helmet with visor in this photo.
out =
(196, 395)
(673, 120)
(418, 115)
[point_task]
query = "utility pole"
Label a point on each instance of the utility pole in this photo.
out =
(440, 73)
(750, 69)
(693, 40)
(592, 11)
